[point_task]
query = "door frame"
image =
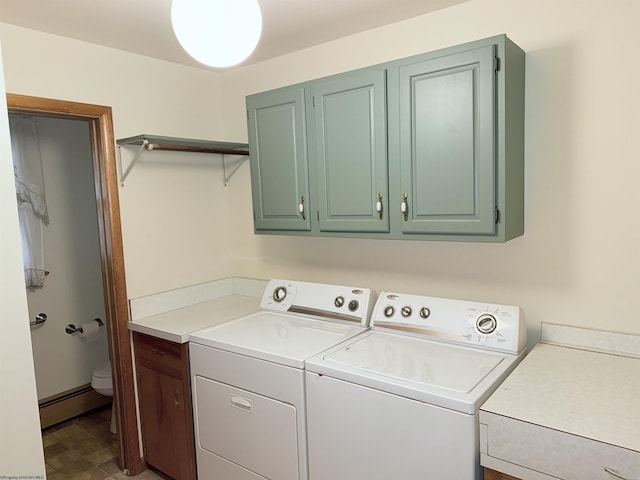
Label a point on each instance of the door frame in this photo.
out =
(116, 304)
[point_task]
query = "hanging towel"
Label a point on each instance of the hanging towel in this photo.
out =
(32, 206)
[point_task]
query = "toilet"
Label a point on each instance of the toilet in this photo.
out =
(102, 382)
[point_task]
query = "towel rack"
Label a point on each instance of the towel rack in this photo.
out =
(174, 144)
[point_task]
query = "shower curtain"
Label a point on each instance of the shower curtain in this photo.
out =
(32, 206)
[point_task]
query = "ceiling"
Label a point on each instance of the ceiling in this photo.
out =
(144, 27)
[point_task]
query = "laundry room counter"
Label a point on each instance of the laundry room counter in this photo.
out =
(173, 315)
(569, 410)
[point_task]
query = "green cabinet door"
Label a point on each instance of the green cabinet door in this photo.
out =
(446, 145)
(350, 164)
(278, 157)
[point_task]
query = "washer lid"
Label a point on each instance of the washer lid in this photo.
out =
(443, 374)
(280, 338)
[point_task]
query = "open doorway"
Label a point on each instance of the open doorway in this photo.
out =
(102, 141)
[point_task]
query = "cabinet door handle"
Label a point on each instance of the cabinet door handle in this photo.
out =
(379, 206)
(301, 207)
(157, 352)
(176, 399)
(404, 207)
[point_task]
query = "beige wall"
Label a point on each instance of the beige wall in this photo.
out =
(578, 262)
(174, 207)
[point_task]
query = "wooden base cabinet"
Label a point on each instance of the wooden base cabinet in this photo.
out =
(165, 406)
(493, 475)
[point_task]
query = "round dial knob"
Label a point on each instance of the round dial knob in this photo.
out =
(353, 305)
(279, 294)
(339, 301)
(389, 311)
(486, 323)
(406, 311)
(425, 312)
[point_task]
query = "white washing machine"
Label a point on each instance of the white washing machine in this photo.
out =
(247, 379)
(401, 401)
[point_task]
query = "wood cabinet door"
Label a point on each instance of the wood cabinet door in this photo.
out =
(447, 143)
(164, 418)
(278, 156)
(349, 113)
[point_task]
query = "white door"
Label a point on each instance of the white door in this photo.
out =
(23, 453)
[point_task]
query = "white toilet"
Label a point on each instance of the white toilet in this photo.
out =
(102, 382)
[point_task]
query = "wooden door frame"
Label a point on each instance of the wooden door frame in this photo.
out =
(116, 304)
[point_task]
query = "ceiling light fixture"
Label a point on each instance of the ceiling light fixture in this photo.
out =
(217, 33)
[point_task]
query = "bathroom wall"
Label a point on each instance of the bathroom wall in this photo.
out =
(73, 291)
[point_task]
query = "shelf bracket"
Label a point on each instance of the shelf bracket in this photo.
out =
(144, 146)
(229, 174)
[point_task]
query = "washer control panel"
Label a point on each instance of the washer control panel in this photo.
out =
(332, 302)
(485, 325)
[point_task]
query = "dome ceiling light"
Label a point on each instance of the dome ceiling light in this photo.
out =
(217, 33)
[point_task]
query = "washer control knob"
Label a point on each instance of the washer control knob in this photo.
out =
(406, 312)
(279, 294)
(425, 312)
(389, 311)
(353, 305)
(486, 323)
(339, 301)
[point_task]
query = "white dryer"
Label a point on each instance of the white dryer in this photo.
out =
(247, 379)
(401, 401)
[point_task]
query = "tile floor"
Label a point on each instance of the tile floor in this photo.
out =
(83, 448)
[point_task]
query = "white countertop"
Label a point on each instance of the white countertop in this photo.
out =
(592, 393)
(176, 325)
(174, 315)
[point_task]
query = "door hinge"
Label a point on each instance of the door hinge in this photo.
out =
(144, 451)
(497, 215)
(496, 64)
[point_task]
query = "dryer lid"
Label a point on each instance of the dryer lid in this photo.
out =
(281, 338)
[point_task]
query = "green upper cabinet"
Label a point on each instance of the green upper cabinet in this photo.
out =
(446, 127)
(429, 147)
(350, 163)
(278, 157)
(456, 143)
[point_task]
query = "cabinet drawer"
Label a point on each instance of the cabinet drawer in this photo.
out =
(161, 355)
(533, 451)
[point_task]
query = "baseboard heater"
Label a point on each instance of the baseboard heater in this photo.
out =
(68, 404)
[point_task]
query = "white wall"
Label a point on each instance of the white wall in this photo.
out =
(73, 291)
(19, 421)
(577, 262)
(173, 206)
